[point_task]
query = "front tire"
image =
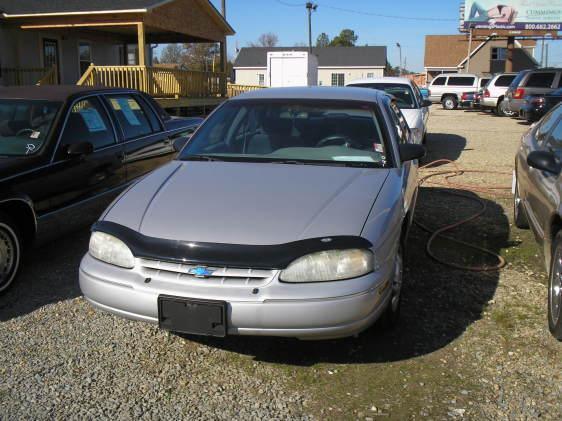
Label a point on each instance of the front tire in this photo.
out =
(10, 251)
(555, 289)
(519, 217)
(450, 103)
(391, 315)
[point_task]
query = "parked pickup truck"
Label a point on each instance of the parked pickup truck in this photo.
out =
(448, 88)
(65, 154)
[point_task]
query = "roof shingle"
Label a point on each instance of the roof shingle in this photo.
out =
(24, 7)
(328, 56)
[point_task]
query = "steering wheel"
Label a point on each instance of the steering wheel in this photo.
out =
(24, 131)
(339, 140)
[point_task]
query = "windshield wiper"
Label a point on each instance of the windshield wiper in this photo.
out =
(201, 158)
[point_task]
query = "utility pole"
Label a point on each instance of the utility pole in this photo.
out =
(310, 7)
(400, 65)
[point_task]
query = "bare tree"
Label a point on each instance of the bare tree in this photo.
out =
(172, 53)
(203, 57)
(268, 39)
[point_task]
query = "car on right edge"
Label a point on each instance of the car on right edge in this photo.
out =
(537, 192)
(532, 82)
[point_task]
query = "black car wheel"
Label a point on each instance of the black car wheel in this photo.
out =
(555, 289)
(519, 217)
(450, 103)
(392, 313)
(10, 251)
(502, 110)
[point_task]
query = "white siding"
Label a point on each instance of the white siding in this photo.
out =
(247, 76)
(325, 75)
(250, 76)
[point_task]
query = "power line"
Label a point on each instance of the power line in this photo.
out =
(380, 15)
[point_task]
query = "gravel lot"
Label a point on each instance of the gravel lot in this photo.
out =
(470, 345)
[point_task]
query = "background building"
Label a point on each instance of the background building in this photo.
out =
(449, 53)
(336, 65)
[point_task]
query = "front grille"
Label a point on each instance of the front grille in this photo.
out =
(180, 273)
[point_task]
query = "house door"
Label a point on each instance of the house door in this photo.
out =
(51, 54)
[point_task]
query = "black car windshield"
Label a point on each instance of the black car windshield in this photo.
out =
(25, 125)
(405, 98)
(293, 132)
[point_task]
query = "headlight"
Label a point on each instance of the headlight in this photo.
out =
(331, 265)
(111, 250)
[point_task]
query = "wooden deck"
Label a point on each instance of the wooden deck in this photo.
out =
(172, 88)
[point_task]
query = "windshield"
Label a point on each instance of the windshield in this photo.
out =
(293, 132)
(25, 125)
(403, 93)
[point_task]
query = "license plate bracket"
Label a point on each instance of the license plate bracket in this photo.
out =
(192, 316)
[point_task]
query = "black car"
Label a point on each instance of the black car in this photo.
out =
(65, 154)
(536, 106)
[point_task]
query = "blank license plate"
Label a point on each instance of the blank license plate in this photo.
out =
(192, 316)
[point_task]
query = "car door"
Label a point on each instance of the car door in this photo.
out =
(540, 187)
(146, 145)
(90, 179)
(409, 168)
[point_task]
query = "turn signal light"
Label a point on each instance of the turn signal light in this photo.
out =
(486, 94)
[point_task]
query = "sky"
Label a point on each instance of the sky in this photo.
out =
(288, 19)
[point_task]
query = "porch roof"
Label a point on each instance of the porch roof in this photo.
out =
(166, 21)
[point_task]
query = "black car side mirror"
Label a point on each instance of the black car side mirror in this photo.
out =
(180, 142)
(80, 149)
(426, 103)
(411, 151)
(544, 161)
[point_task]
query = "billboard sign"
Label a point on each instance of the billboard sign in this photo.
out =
(543, 15)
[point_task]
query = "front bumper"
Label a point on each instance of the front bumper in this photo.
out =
(308, 311)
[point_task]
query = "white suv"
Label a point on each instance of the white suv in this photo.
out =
(493, 97)
(448, 88)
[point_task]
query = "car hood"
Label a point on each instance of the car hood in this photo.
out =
(249, 203)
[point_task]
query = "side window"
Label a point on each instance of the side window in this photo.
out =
(88, 122)
(504, 81)
(555, 138)
(154, 122)
(460, 81)
(547, 124)
(400, 123)
(131, 116)
(540, 80)
(560, 81)
(440, 81)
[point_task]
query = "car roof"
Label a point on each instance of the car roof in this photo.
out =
(459, 75)
(50, 92)
(314, 92)
(395, 80)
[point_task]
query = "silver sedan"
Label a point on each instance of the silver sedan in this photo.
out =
(286, 214)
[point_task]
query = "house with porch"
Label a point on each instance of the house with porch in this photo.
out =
(109, 43)
(450, 53)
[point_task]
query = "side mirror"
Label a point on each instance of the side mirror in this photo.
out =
(411, 151)
(544, 161)
(426, 103)
(80, 149)
(180, 142)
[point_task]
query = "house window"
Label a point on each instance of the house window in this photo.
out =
(499, 53)
(370, 75)
(85, 56)
(338, 79)
(261, 79)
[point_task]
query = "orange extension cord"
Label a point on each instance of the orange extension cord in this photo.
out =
(426, 175)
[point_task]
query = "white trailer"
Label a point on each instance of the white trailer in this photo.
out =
(291, 68)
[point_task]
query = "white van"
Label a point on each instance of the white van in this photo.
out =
(448, 88)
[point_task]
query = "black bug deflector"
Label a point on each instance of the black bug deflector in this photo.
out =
(277, 256)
